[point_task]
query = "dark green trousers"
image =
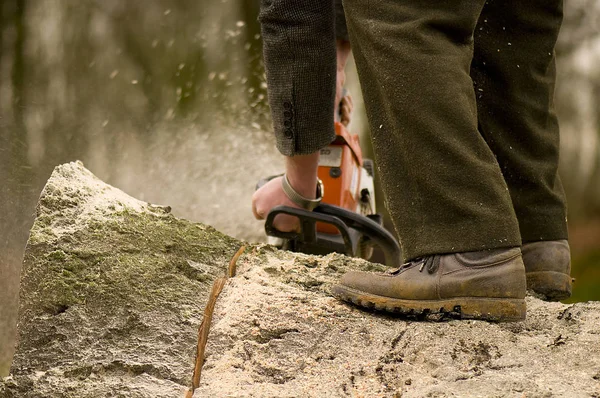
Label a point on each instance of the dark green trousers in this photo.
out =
(459, 95)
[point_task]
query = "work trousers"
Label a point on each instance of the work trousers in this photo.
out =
(459, 97)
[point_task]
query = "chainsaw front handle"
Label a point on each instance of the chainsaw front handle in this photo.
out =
(352, 228)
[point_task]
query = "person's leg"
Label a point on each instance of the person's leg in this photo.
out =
(513, 70)
(443, 186)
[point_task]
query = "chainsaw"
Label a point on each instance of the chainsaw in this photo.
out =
(345, 221)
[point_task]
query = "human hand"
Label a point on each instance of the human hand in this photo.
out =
(345, 109)
(301, 171)
(267, 197)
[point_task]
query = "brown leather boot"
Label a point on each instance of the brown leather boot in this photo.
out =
(548, 268)
(486, 285)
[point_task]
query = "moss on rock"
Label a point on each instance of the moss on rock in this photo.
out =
(108, 292)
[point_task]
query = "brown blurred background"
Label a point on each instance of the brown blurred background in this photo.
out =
(167, 101)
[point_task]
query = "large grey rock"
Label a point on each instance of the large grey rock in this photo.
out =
(113, 292)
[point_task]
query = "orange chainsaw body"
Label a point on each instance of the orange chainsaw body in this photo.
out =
(340, 171)
(345, 221)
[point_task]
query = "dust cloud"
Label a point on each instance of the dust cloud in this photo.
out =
(205, 176)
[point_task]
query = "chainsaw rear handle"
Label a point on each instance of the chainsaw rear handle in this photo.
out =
(344, 221)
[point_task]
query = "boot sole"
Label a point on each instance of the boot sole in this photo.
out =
(554, 286)
(483, 308)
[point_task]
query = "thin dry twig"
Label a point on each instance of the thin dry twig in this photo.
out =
(233, 263)
(204, 328)
(203, 331)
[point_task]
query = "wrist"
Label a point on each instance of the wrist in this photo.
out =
(343, 53)
(301, 171)
(300, 200)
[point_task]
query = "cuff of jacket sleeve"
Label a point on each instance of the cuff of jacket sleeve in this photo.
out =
(341, 29)
(289, 144)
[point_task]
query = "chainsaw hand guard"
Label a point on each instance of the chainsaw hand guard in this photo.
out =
(353, 229)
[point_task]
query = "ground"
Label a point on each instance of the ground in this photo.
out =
(114, 291)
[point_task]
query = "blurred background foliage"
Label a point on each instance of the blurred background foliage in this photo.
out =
(166, 100)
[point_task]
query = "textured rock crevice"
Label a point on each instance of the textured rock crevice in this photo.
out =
(113, 291)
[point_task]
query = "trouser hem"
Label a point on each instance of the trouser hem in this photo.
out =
(459, 239)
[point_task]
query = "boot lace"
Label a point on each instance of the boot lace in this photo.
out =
(431, 263)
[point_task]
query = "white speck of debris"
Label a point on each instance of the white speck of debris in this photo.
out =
(181, 66)
(239, 24)
(134, 82)
(105, 123)
(509, 43)
(263, 85)
(211, 76)
(518, 66)
(381, 126)
(114, 74)
(167, 12)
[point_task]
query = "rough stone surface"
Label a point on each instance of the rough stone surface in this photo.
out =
(113, 291)
(278, 333)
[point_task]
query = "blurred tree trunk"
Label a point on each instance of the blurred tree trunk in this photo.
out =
(15, 133)
(14, 172)
(249, 12)
(1, 31)
(187, 81)
(18, 67)
(137, 51)
(20, 166)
